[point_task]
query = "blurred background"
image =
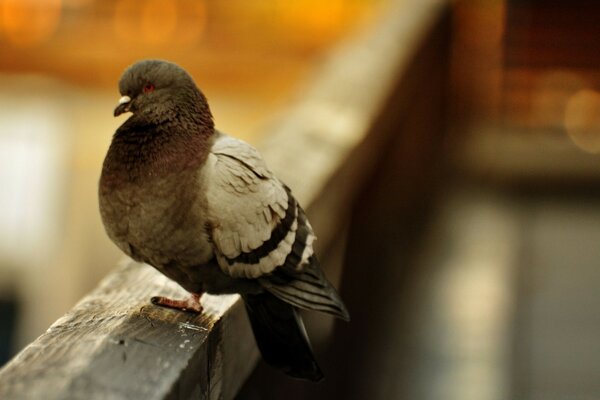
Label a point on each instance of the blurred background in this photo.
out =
(491, 255)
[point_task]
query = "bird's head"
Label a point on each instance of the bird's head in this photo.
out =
(156, 91)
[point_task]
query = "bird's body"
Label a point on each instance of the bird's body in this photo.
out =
(204, 209)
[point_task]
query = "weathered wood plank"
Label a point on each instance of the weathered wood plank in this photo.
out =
(115, 344)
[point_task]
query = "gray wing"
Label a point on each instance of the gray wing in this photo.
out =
(259, 231)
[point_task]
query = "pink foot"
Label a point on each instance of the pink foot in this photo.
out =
(191, 304)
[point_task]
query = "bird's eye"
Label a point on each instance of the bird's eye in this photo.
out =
(148, 88)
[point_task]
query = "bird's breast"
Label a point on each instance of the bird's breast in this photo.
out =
(158, 220)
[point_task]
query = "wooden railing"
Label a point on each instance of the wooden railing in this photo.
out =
(115, 345)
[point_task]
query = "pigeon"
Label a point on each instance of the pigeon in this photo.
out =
(203, 208)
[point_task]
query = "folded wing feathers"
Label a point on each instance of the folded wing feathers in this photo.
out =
(254, 266)
(300, 281)
(254, 215)
(263, 233)
(308, 289)
(243, 152)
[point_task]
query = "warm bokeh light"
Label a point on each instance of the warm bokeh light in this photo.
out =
(89, 41)
(153, 22)
(191, 31)
(582, 120)
(29, 22)
(302, 19)
(552, 91)
(159, 20)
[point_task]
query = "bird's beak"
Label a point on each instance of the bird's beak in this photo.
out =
(124, 105)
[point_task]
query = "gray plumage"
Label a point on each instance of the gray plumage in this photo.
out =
(204, 209)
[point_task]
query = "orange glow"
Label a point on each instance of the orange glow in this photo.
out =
(30, 22)
(159, 20)
(124, 27)
(582, 120)
(195, 11)
(317, 21)
(553, 90)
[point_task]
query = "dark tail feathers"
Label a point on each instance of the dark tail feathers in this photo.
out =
(281, 337)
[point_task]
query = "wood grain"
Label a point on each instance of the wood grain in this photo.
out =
(116, 344)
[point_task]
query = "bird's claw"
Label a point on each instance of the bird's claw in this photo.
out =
(191, 304)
